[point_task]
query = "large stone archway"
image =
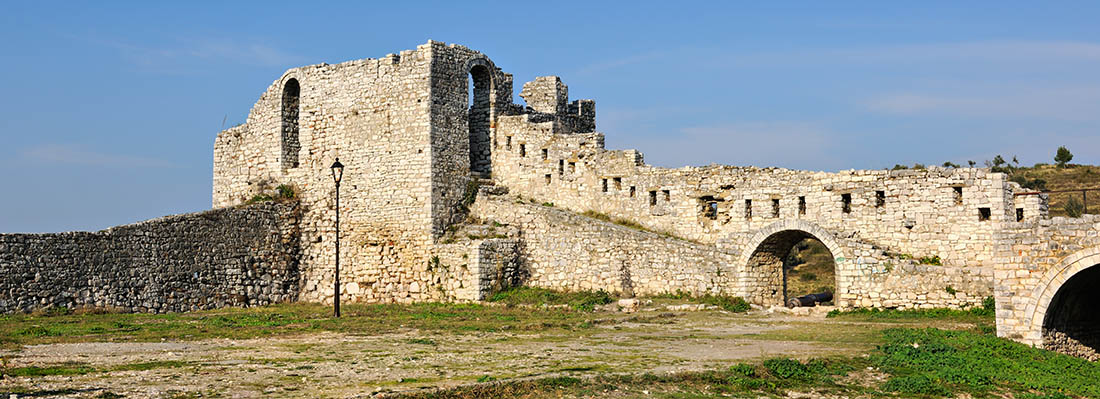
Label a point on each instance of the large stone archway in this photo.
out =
(761, 259)
(1062, 316)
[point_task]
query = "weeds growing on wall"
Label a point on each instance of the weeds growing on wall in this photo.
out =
(728, 303)
(580, 300)
(282, 193)
(987, 310)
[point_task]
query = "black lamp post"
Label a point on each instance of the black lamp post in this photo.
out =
(337, 174)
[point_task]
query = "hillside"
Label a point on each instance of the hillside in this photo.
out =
(1044, 177)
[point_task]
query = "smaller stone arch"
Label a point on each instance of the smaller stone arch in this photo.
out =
(480, 116)
(1052, 297)
(761, 259)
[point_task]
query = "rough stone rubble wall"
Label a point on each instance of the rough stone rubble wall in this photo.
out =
(225, 257)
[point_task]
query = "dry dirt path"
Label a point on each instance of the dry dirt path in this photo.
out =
(349, 365)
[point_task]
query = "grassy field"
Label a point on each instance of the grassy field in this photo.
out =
(530, 343)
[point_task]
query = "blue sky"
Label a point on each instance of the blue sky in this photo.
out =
(111, 108)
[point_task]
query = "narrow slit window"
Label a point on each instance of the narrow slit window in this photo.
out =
(880, 199)
(846, 203)
(508, 142)
(801, 205)
(652, 198)
(1019, 214)
(631, 191)
(547, 179)
(983, 214)
(775, 207)
(748, 209)
(545, 154)
(618, 183)
(958, 195)
(668, 196)
(603, 185)
(561, 167)
(523, 150)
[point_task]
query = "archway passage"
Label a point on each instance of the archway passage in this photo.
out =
(479, 120)
(809, 269)
(1072, 322)
(291, 108)
(772, 269)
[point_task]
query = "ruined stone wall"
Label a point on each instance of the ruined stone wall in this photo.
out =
(399, 124)
(1038, 258)
(225, 257)
(565, 251)
(472, 270)
(917, 212)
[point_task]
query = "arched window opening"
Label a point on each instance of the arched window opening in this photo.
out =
(791, 263)
(290, 110)
(479, 85)
(1072, 324)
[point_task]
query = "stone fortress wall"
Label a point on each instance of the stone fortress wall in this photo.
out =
(224, 257)
(420, 131)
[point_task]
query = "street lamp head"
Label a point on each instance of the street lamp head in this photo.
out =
(337, 171)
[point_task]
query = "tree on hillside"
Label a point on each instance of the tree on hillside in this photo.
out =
(998, 160)
(1063, 156)
(971, 163)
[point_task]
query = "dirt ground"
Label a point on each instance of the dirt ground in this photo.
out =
(351, 366)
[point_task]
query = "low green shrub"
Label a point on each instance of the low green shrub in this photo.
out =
(580, 300)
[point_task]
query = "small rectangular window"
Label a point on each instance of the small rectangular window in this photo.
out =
(561, 167)
(1019, 214)
(748, 209)
(775, 207)
(652, 198)
(618, 183)
(710, 210)
(880, 199)
(958, 195)
(572, 167)
(508, 142)
(547, 179)
(801, 205)
(545, 154)
(523, 150)
(603, 185)
(631, 191)
(983, 214)
(668, 196)
(846, 203)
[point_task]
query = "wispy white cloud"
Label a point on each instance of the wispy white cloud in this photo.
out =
(1075, 104)
(77, 155)
(616, 63)
(186, 53)
(1027, 51)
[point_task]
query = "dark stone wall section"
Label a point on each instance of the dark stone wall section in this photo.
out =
(244, 256)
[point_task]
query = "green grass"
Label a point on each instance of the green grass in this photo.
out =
(285, 319)
(771, 378)
(937, 362)
(580, 300)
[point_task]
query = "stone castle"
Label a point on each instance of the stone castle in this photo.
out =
(452, 191)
